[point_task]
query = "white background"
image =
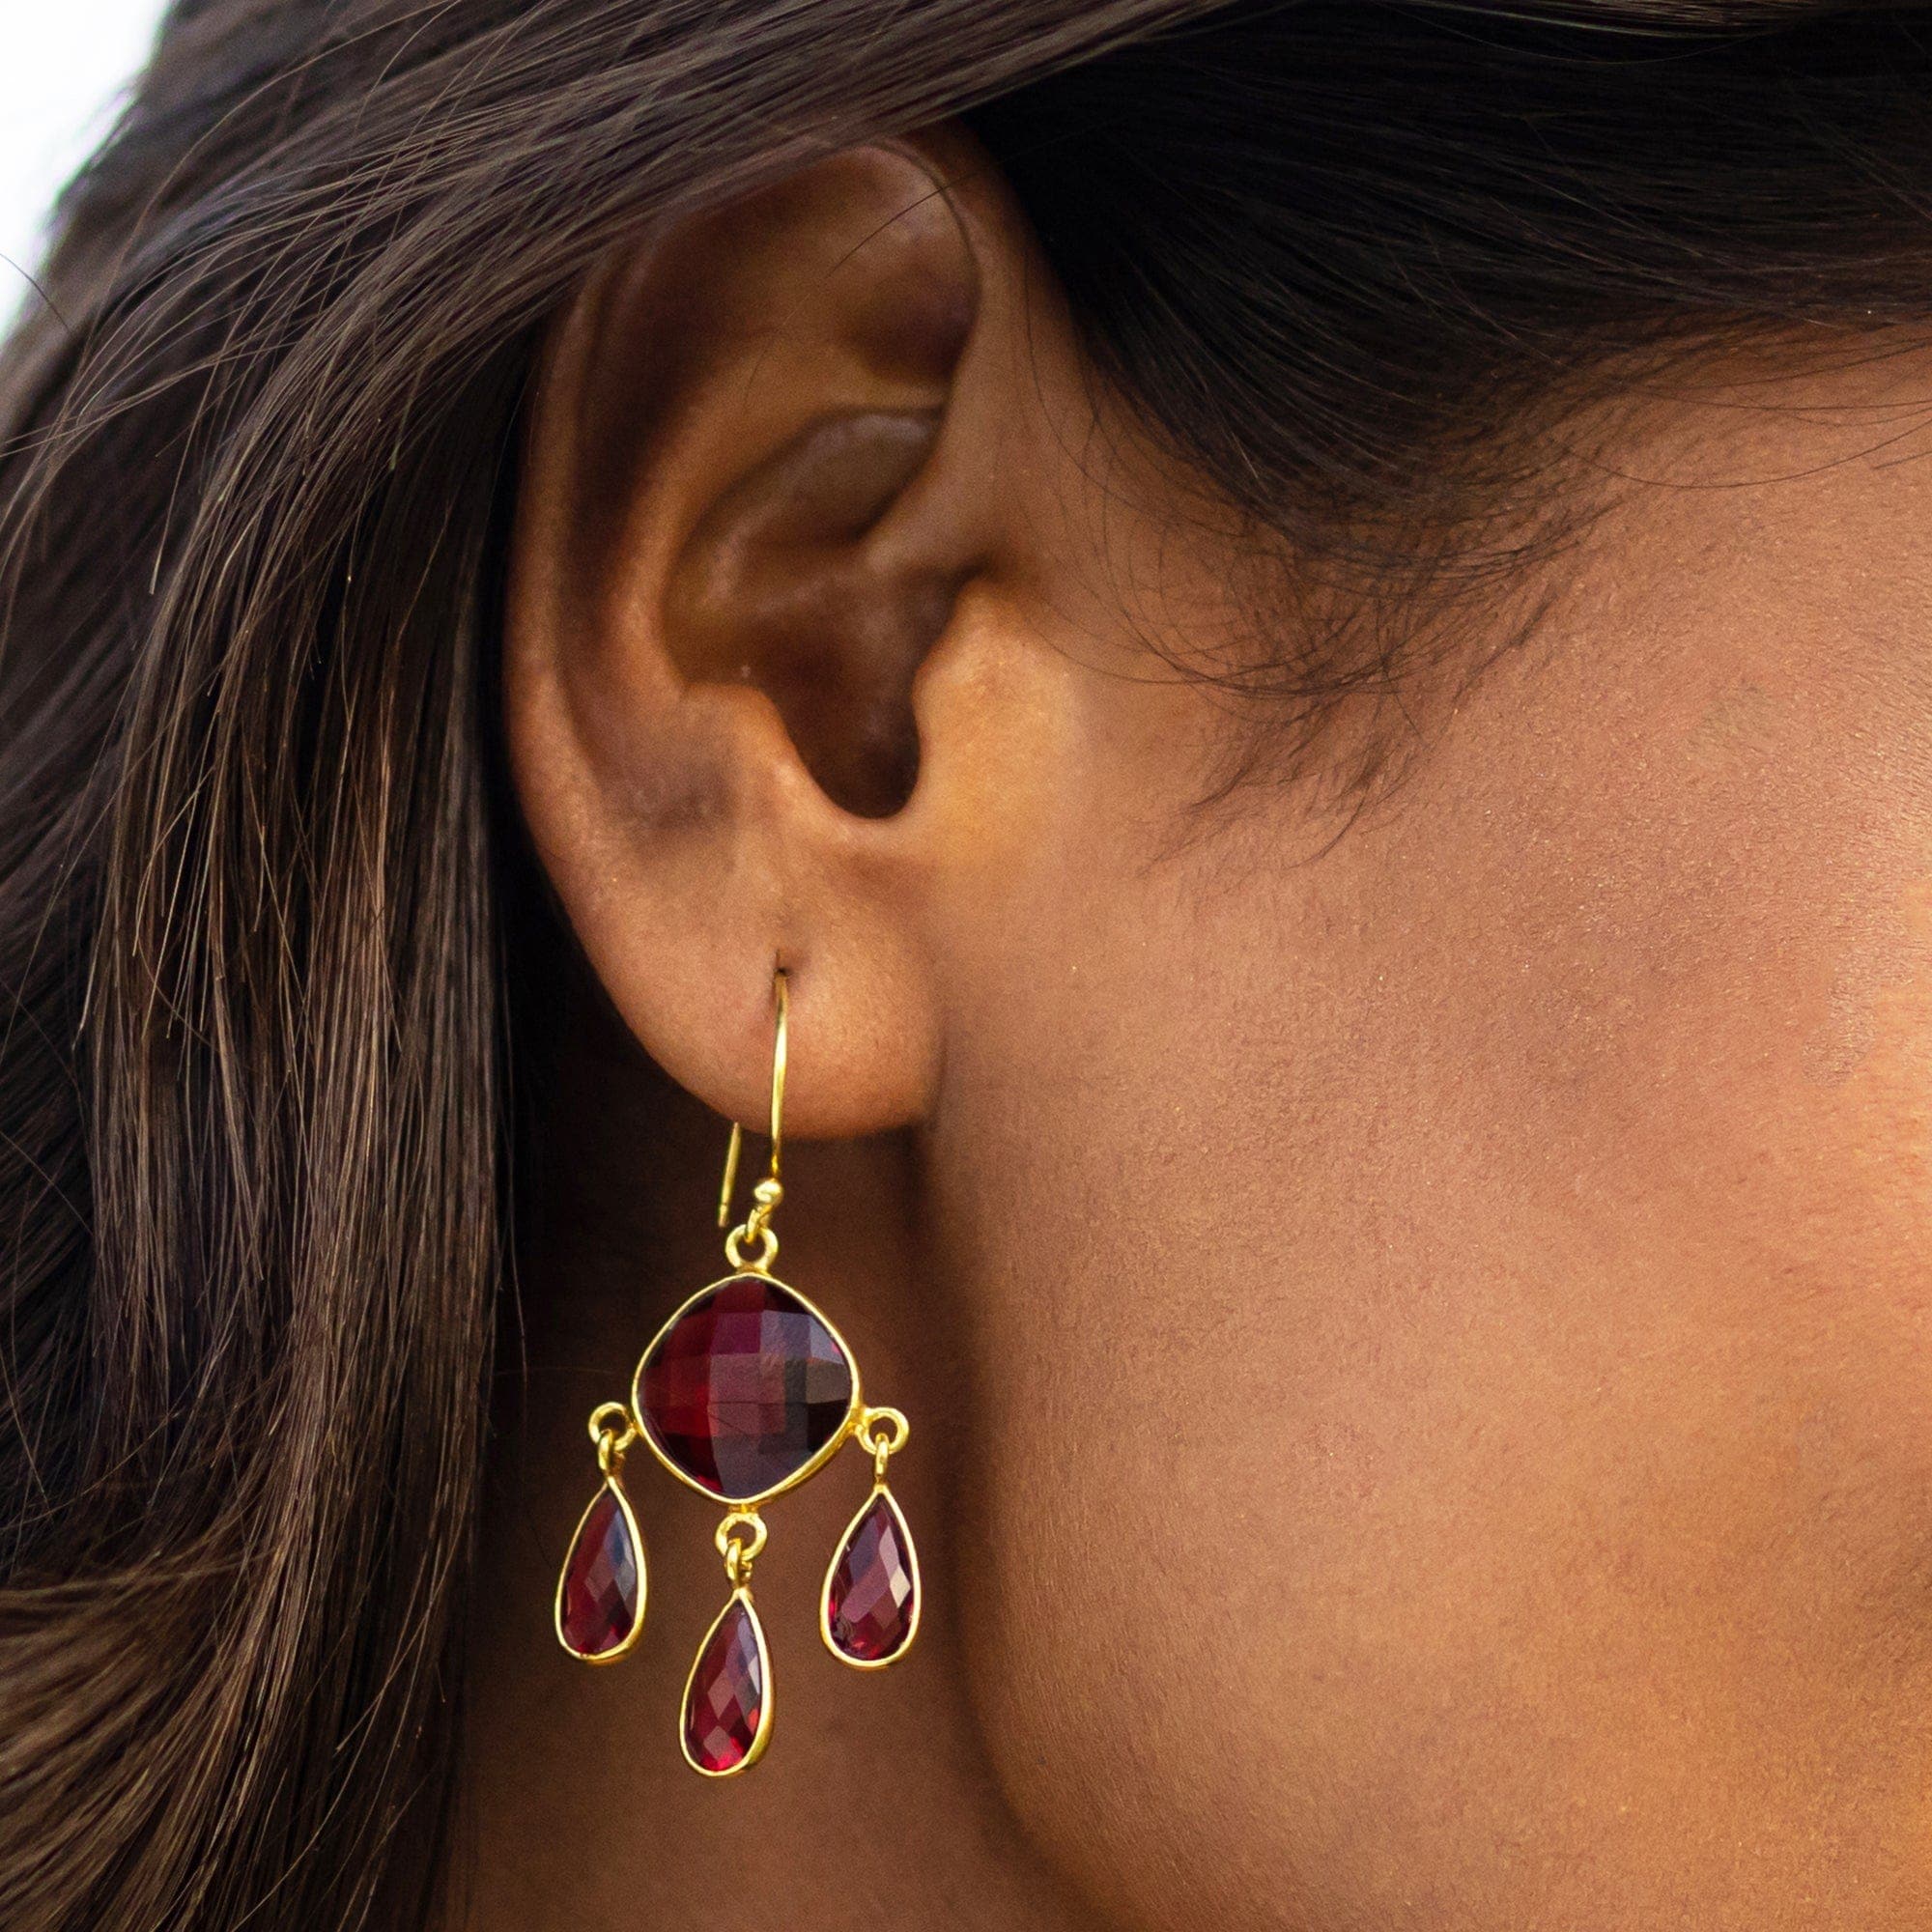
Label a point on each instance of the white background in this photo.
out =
(63, 65)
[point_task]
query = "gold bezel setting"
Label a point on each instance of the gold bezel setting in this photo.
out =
(763, 1734)
(631, 1642)
(845, 1657)
(855, 1410)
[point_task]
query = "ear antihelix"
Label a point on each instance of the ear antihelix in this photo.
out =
(779, 587)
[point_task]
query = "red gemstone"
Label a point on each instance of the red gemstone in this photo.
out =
(602, 1597)
(725, 1707)
(745, 1388)
(872, 1597)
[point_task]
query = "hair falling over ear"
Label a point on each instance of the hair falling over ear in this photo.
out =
(255, 447)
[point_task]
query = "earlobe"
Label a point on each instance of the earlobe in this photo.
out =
(731, 563)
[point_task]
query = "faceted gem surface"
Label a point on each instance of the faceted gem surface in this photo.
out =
(726, 1703)
(602, 1597)
(872, 1597)
(745, 1389)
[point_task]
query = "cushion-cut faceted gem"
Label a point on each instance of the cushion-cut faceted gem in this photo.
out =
(745, 1388)
(601, 1597)
(871, 1601)
(726, 1704)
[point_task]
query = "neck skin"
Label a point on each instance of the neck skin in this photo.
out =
(872, 1803)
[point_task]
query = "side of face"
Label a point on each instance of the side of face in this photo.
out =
(1445, 1303)
(1455, 1355)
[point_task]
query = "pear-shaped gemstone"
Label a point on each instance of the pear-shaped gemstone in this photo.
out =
(727, 1702)
(601, 1599)
(872, 1591)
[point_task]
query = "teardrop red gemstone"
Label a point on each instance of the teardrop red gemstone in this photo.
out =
(724, 1708)
(872, 1598)
(601, 1594)
(745, 1388)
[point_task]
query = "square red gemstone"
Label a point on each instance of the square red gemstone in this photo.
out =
(745, 1388)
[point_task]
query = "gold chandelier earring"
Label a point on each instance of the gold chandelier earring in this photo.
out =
(745, 1392)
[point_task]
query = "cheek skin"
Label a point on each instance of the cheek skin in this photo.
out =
(1455, 1380)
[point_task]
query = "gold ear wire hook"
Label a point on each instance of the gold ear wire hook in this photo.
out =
(731, 1186)
(769, 1192)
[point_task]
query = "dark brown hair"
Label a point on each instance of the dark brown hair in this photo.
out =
(254, 451)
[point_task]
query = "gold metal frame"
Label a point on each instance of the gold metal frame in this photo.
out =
(763, 1735)
(844, 1656)
(854, 1413)
(631, 1642)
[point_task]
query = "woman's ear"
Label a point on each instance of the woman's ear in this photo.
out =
(771, 692)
